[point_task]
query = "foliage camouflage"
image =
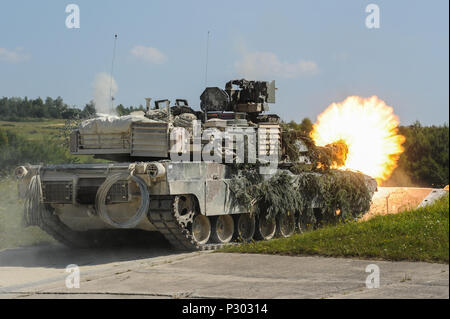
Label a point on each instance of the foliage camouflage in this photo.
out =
(322, 158)
(342, 195)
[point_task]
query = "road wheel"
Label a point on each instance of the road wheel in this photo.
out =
(305, 223)
(266, 228)
(245, 227)
(223, 229)
(286, 224)
(201, 229)
(184, 210)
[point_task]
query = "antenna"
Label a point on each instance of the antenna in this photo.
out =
(112, 70)
(207, 56)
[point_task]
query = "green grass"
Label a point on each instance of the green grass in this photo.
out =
(12, 232)
(43, 131)
(35, 130)
(415, 235)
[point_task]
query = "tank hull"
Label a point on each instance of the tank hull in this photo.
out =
(191, 204)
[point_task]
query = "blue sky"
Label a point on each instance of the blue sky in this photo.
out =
(319, 52)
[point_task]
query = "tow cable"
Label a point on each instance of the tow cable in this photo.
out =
(100, 200)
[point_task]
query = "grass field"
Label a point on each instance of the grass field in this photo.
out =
(41, 133)
(12, 232)
(415, 235)
(35, 130)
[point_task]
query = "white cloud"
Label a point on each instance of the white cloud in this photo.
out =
(13, 56)
(259, 65)
(149, 54)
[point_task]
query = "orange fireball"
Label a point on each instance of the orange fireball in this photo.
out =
(369, 127)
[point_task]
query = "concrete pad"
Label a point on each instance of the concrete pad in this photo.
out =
(140, 274)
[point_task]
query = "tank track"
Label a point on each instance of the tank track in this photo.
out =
(53, 226)
(162, 216)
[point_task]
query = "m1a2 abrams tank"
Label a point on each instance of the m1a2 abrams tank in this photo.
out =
(169, 170)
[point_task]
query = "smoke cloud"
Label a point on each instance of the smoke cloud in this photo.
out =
(105, 88)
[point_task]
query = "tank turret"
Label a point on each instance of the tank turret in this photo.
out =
(249, 98)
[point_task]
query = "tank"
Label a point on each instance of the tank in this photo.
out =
(190, 176)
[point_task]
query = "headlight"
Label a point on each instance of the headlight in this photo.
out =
(20, 172)
(155, 170)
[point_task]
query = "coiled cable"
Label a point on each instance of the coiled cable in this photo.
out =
(33, 202)
(100, 200)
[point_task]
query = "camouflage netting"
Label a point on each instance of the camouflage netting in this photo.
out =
(322, 158)
(337, 195)
(340, 195)
(158, 115)
(180, 116)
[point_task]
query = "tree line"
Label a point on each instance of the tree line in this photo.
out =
(425, 159)
(20, 109)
